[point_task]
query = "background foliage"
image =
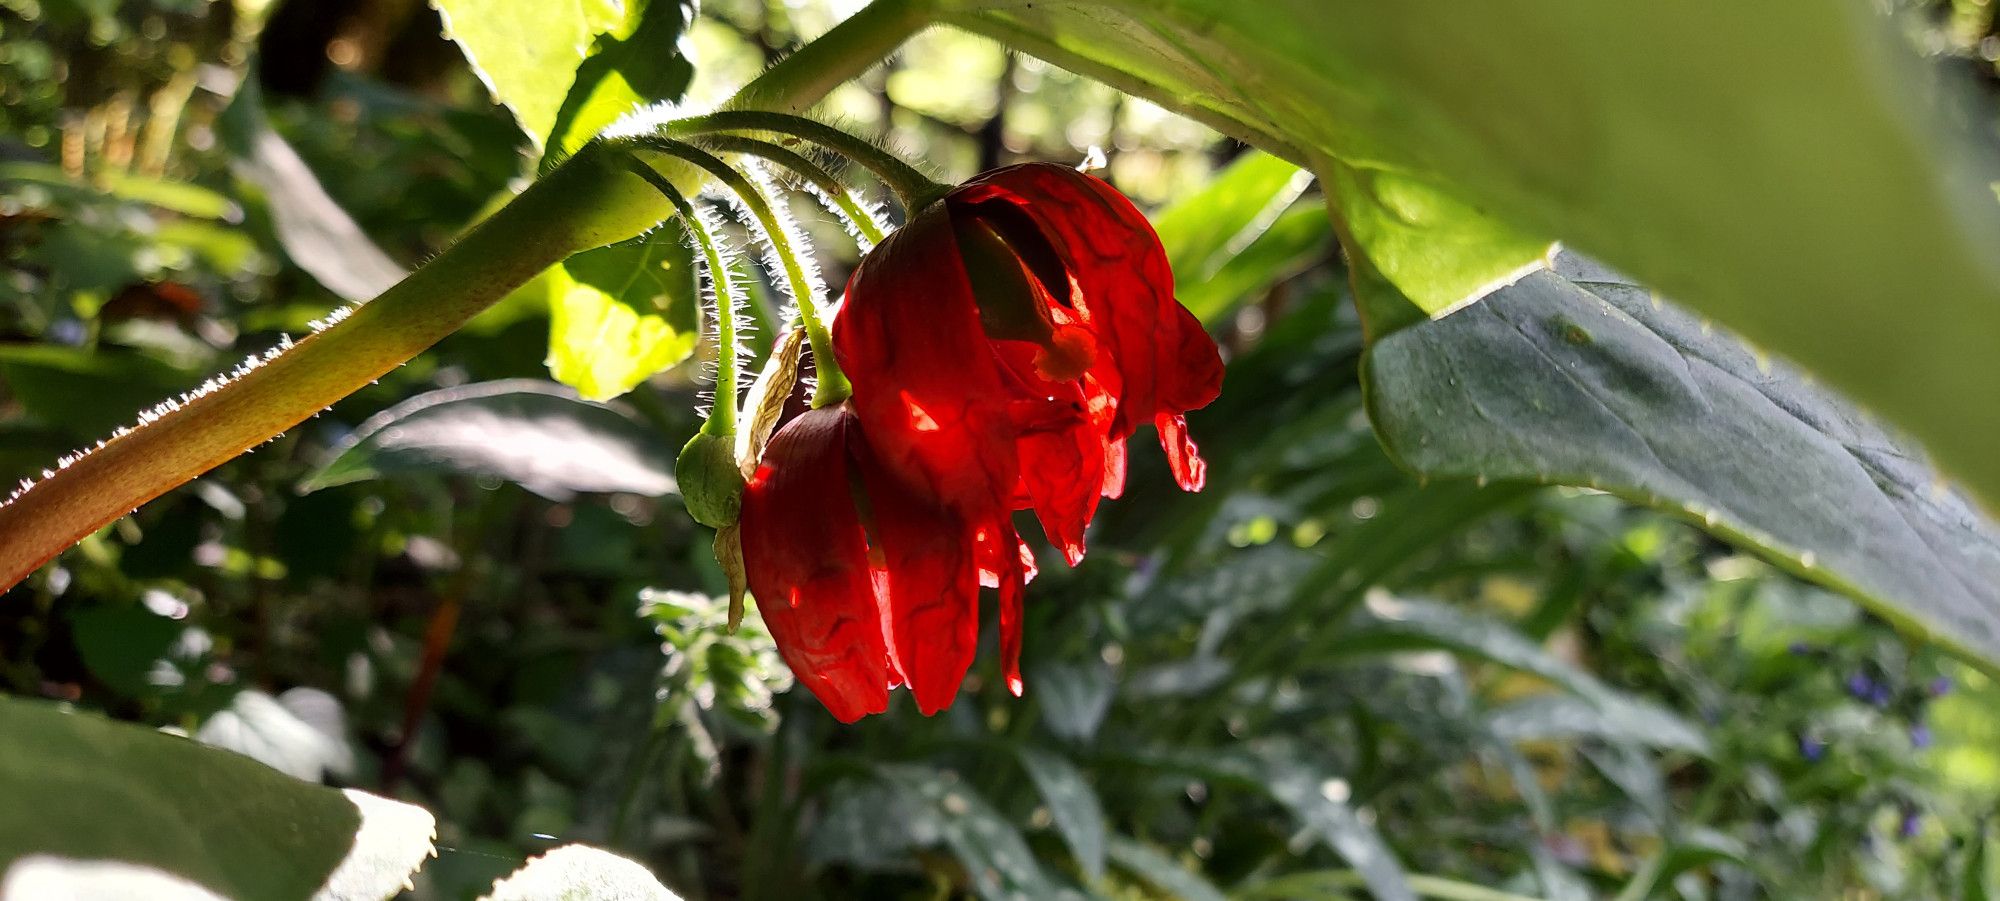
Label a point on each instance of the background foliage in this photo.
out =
(1323, 678)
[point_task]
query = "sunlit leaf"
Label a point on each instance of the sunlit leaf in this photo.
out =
(176, 196)
(634, 62)
(1237, 234)
(537, 435)
(618, 315)
(528, 54)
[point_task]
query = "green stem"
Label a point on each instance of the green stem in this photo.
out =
(832, 386)
(588, 201)
(913, 188)
(722, 419)
(830, 188)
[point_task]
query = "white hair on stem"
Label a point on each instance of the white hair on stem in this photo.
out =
(788, 228)
(840, 211)
(712, 300)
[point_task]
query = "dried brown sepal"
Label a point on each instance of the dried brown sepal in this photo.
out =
(729, 554)
(766, 401)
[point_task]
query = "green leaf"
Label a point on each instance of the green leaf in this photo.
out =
(580, 873)
(1779, 165)
(119, 643)
(315, 232)
(537, 435)
(1166, 874)
(620, 314)
(995, 858)
(528, 53)
(1977, 880)
(1238, 234)
(1298, 238)
(1073, 804)
(1321, 805)
(1422, 251)
(1412, 625)
(1556, 716)
(1594, 382)
(169, 811)
(629, 66)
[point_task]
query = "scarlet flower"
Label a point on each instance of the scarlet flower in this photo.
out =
(864, 583)
(1002, 346)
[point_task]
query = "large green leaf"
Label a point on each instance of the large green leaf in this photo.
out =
(1594, 381)
(619, 314)
(132, 812)
(1775, 164)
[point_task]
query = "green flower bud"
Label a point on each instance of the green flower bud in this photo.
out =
(711, 484)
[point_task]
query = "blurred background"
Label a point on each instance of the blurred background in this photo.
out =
(1273, 689)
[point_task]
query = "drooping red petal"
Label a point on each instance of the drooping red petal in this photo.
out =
(1005, 564)
(808, 565)
(930, 586)
(1190, 470)
(925, 380)
(1114, 468)
(1061, 429)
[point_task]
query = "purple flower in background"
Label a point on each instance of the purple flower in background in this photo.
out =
(1912, 822)
(1811, 748)
(1860, 686)
(1880, 696)
(1800, 648)
(1920, 736)
(1940, 686)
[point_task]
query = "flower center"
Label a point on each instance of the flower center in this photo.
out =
(1015, 299)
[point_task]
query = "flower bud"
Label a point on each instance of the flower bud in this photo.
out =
(711, 484)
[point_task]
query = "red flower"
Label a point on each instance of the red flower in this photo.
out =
(864, 583)
(1002, 346)
(1005, 342)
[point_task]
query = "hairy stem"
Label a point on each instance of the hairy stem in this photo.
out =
(831, 387)
(722, 419)
(588, 201)
(830, 189)
(913, 188)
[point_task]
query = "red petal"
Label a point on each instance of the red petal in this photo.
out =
(1114, 468)
(925, 379)
(930, 589)
(1003, 555)
(1123, 286)
(808, 565)
(1190, 470)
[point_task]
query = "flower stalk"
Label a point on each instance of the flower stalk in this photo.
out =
(831, 387)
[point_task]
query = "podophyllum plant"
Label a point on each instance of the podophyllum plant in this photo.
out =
(996, 351)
